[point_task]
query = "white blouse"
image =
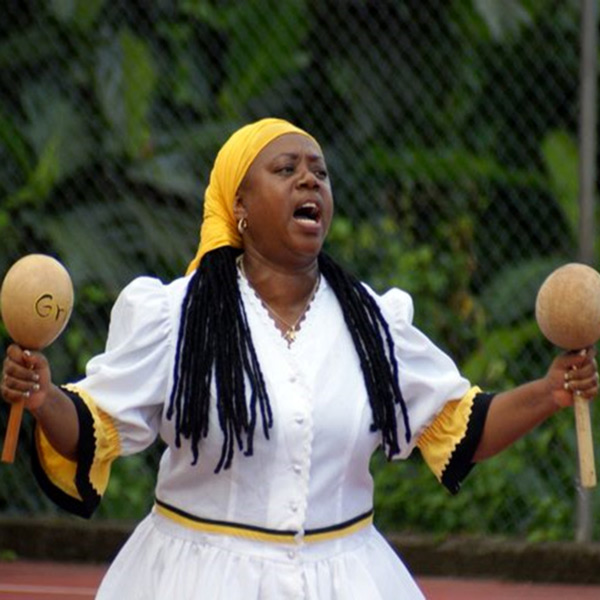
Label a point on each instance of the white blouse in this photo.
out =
(312, 473)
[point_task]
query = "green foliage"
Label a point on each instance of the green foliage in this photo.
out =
(251, 68)
(503, 18)
(125, 83)
(441, 294)
(455, 176)
(7, 555)
(561, 158)
(79, 14)
(495, 497)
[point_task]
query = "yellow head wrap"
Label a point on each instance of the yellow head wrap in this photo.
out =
(219, 227)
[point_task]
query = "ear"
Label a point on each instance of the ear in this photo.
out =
(239, 207)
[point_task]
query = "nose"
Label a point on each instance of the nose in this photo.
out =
(309, 179)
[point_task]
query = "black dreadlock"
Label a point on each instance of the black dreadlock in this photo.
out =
(214, 338)
(373, 342)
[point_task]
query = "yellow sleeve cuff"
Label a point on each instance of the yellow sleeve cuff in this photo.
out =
(449, 442)
(59, 470)
(78, 485)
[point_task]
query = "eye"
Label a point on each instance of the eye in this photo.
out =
(322, 174)
(287, 169)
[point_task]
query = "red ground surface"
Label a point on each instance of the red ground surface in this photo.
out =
(23, 580)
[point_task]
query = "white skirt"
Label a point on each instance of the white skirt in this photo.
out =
(163, 560)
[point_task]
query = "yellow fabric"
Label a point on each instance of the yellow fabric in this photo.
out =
(440, 439)
(257, 535)
(61, 471)
(219, 227)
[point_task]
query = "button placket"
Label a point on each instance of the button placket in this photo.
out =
(300, 445)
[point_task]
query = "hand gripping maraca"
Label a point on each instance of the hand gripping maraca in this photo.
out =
(36, 301)
(567, 310)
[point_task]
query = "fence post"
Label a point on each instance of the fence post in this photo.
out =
(587, 183)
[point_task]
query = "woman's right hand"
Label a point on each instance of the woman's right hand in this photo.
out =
(26, 376)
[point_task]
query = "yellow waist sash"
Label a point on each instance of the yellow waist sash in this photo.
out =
(262, 534)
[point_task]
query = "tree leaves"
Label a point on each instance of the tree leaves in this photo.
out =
(561, 157)
(503, 17)
(80, 14)
(130, 237)
(125, 85)
(252, 68)
(59, 138)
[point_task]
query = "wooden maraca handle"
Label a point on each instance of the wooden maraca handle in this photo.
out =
(585, 444)
(12, 432)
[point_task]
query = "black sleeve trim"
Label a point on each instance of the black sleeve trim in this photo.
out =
(86, 448)
(461, 461)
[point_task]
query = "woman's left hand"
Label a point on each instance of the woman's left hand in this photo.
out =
(573, 373)
(515, 412)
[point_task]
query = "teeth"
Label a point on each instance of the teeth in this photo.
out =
(309, 211)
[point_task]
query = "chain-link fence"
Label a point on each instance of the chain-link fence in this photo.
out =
(450, 131)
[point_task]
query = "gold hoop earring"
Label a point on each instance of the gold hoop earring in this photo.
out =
(242, 225)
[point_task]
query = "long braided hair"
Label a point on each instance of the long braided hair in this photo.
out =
(215, 341)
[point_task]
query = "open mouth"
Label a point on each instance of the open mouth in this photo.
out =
(308, 212)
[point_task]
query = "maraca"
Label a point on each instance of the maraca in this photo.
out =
(36, 301)
(567, 310)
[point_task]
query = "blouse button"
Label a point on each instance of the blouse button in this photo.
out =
(297, 468)
(300, 419)
(291, 555)
(294, 506)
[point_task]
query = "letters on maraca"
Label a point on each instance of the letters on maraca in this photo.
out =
(46, 306)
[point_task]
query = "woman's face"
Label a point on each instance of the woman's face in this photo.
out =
(287, 201)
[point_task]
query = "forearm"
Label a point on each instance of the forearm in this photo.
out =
(512, 414)
(57, 418)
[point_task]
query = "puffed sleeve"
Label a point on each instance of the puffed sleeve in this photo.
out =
(119, 402)
(446, 413)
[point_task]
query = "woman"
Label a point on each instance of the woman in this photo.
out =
(272, 375)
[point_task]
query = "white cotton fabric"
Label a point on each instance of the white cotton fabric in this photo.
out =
(312, 473)
(164, 560)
